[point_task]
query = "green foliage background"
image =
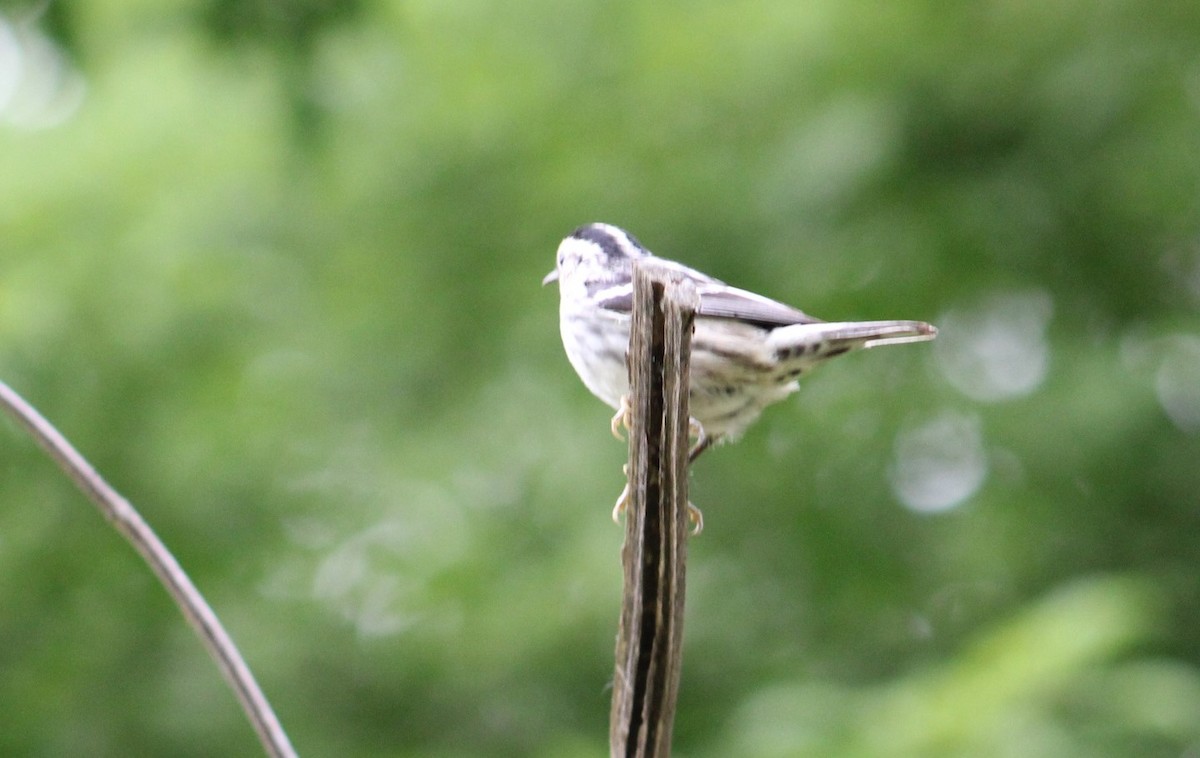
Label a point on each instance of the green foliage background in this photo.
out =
(274, 267)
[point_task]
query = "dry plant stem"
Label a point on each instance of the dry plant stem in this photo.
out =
(122, 515)
(650, 638)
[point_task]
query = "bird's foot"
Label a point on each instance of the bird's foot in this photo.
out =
(695, 517)
(703, 441)
(621, 418)
(622, 499)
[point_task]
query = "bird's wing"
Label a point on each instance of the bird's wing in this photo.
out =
(740, 305)
(617, 299)
(717, 300)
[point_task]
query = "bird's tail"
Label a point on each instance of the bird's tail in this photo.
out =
(827, 339)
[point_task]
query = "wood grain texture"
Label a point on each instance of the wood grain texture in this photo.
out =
(654, 556)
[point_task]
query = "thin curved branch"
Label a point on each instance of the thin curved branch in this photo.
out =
(122, 515)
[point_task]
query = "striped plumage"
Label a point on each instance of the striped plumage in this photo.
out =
(747, 350)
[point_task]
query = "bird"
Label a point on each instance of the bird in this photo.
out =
(747, 352)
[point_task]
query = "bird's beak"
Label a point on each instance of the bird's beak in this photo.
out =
(551, 277)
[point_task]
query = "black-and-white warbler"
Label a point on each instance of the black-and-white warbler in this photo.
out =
(747, 350)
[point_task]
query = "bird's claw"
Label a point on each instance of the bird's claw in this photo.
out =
(623, 498)
(621, 418)
(703, 441)
(695, 517)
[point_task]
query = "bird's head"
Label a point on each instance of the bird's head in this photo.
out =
(595, 254)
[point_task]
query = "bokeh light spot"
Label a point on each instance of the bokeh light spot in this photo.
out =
(998, 350)
(940, 463)
(39, 88)
(1177, 383)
